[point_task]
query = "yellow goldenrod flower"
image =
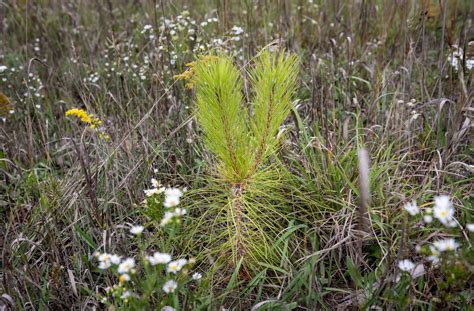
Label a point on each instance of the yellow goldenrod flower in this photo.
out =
(79, 113)
(89, 119)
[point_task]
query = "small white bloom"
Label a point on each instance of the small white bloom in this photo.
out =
(104, 265)
(176, 266)
(180, 211)
(115, 259)
(171, 201)
(159, 258)
(173, 192)
(446, 245)
(126, 266)
(197, 276)
(428, 219)
(411, 208)
(3, 68)
(170, 286)
(155, 183)
(470, 64)
(443, 209)
(151, 192)
(406, 265)
(136, 230)
(104, 261)
(470, 227)
(168, 308)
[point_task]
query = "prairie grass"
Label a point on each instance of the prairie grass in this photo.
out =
(376, 111)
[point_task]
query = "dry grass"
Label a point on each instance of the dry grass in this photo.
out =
(66, 193)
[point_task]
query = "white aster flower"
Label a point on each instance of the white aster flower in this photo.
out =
(104, 261)
(104, 265)
(470, 227)
(171, 201)
(126, 266)
(197, 276)
(173, 192)
(170, 286)
(3, 68)
(136, 230)
(411, 208)
(470, 64)
(446, 245)
(428, 219)
(443, 209)
(406, 265)
(155, 183)
(180, 211)
(168, 308)
(176, 266)
(150, 192)
(159, 258)
(115, 259)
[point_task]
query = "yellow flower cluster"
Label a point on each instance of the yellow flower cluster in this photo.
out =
(189, 73)
(89, 119)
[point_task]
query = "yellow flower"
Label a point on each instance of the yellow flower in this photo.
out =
(188, 75)
(79, 113)
(90, 119)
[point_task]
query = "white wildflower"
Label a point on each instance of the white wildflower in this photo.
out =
(446, 245)
(173, 192)
(176, 266)
(151, 192)
(197, 276)
(104, 261)
(136, 230)
(159, 258)
(411, 208)
(170, 286)
(155, 183)
(443, 209)
(470, 227)
(168, 308)
(406, 265)
(126, 266)
(115, 259)
(3, 68)
(470, 64)
(171, 201)
(428, 219)
(180, 211)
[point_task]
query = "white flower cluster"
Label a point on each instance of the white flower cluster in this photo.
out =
(125, 267)
(443, 211)
(171, 267)
(156, 188)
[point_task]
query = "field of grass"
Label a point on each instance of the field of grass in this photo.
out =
(236, 155)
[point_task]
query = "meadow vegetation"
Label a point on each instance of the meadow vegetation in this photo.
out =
(243, 155)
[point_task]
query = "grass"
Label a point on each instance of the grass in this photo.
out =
(373, 75)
